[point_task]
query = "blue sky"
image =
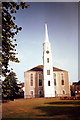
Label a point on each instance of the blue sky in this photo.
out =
(62, 20)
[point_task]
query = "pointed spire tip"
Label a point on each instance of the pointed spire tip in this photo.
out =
(46, 33)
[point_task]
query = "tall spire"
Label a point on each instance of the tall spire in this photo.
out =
(46, 33)
(48, 67)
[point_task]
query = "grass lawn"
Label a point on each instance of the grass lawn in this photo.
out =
(48, 109)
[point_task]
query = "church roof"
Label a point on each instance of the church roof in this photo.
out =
(78, 83)
(40, 68)
(74, 83)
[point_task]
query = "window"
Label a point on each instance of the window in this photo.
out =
(62, 79)
(48, 72)
(47, 52)
(40, 79)
(48, 83)
(55, 82)
(62, 76)
(62, 82)
(63, 92)
(31, 80)
(55, 92)
(47, 60)
(31, 93)
(40, 93)
(55, 79)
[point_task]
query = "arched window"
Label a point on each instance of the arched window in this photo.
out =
(31, 93)
(40, 93)
(62, 79)
(31, 80)
(55, 79)
(62, 82)
(63, 92)
(40, 79)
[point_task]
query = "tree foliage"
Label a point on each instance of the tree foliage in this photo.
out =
(9, 86)
(9, 30)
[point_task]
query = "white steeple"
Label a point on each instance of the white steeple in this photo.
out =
(48, 67)
(46, 34)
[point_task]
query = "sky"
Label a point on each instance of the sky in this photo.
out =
(62, 21)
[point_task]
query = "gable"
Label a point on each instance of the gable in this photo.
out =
(40, 68)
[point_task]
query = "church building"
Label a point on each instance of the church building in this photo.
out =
(46, 80)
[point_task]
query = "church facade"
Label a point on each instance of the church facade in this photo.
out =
(46, 80)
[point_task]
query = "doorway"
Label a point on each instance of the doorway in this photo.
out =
(40, 93)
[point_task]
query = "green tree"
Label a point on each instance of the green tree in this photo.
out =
(9, 86)
(9, 30)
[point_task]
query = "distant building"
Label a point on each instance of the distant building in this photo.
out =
(21, 86)
(75, 89)
(46, 80)
(21, 89)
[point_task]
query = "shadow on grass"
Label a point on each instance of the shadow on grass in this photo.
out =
(32, 119)
(61, 112)
(65, 103)
(54, 112)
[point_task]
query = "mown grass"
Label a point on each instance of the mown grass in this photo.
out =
(48, 109)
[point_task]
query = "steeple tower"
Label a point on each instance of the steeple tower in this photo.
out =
(48, 67)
